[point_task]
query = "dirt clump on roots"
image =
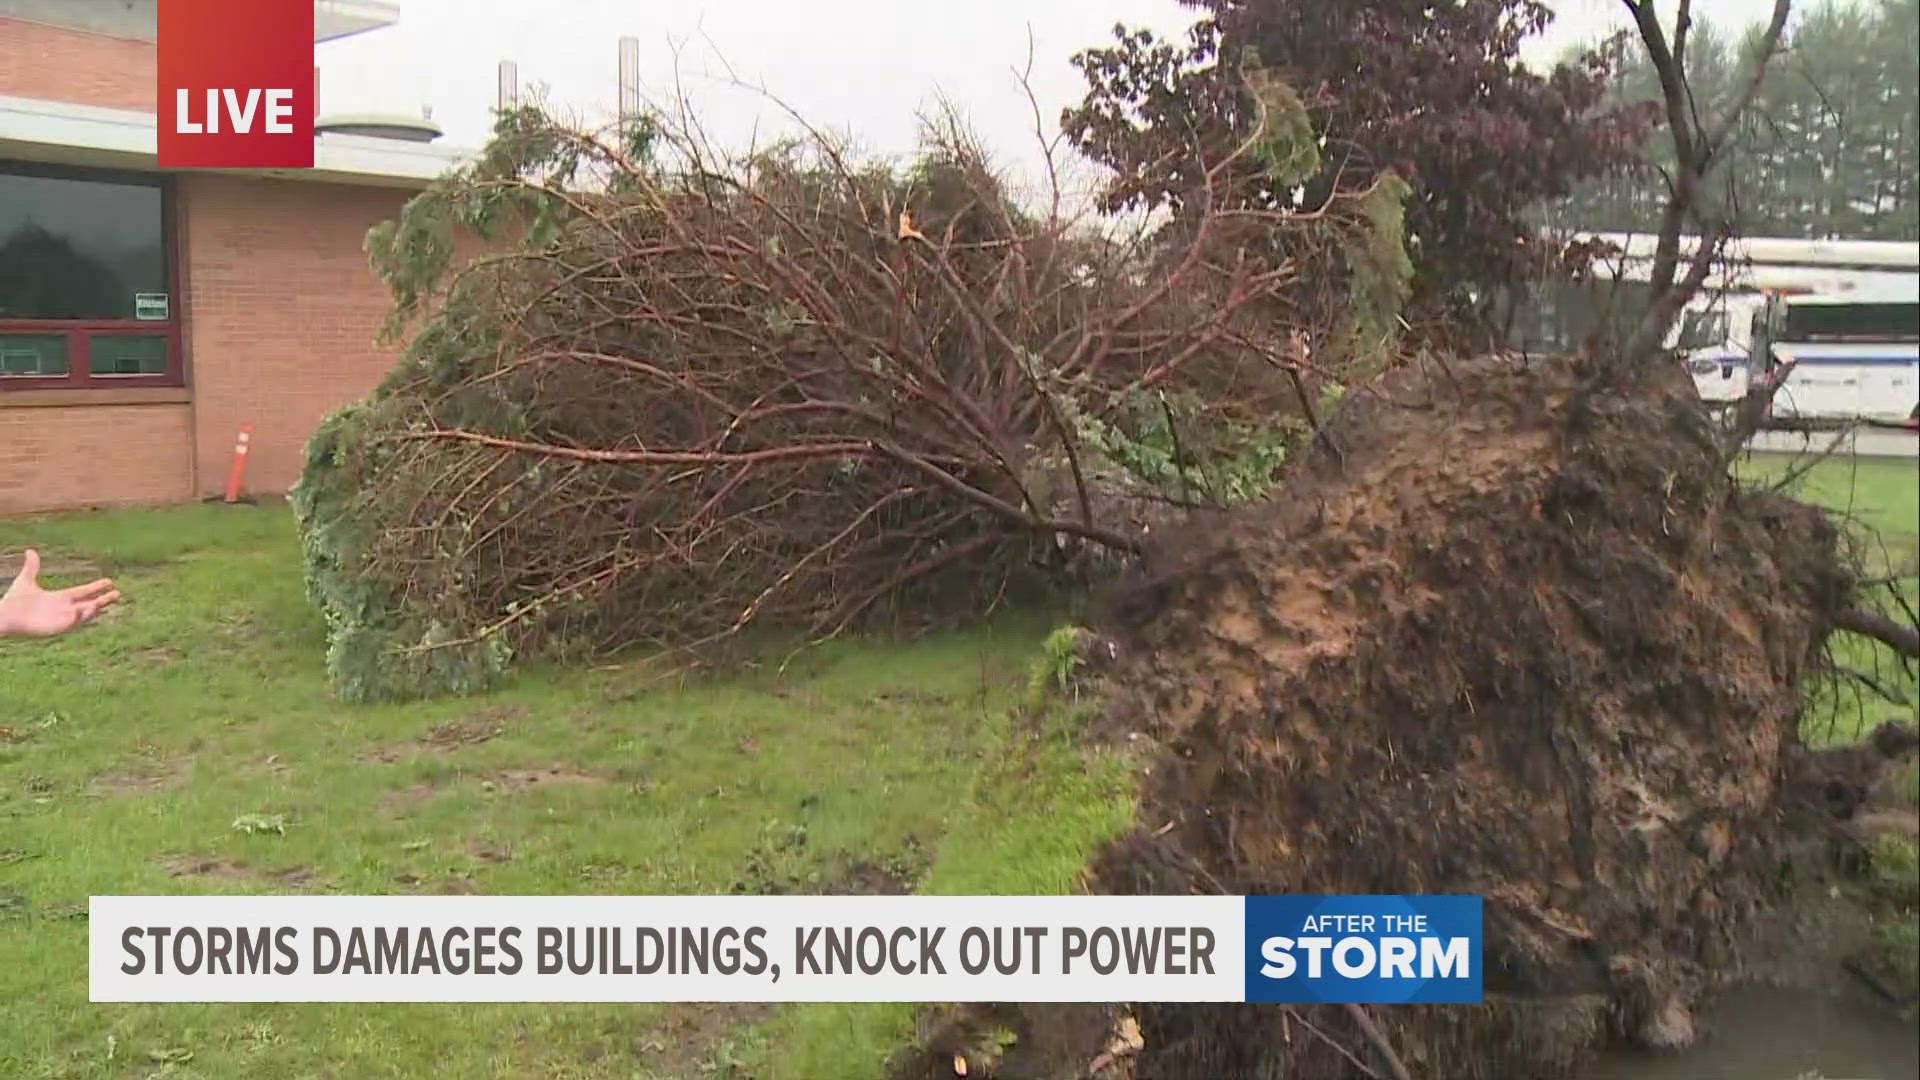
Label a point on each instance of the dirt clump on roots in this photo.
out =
(1508, 632)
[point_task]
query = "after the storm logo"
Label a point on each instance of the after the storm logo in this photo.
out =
(1364, 949)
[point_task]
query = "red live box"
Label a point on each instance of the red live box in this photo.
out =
(236, 84)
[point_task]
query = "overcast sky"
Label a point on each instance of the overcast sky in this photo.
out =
(861, 65)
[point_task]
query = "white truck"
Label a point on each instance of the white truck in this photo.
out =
(1841, 358)
(1836, 321)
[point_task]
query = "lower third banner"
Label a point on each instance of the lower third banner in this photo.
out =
(1362, 949)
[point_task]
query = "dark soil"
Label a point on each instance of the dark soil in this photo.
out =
(141, 778)
(297, 878)
(1005, 1042)
(52, 565)
(784, 865)
(1512, 635)
(1507, 632)
(684, 1043)
(515, 780)
(460, 733)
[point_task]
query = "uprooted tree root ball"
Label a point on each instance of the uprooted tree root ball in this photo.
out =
(1510, 632)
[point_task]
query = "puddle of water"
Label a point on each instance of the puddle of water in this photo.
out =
(1761, 1033)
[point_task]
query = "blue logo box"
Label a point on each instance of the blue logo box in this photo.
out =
(1364, 950)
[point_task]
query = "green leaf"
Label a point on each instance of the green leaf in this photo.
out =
(256, 824)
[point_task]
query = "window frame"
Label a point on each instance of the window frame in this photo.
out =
(1702, 328)
(79, 333)
(1825, 330)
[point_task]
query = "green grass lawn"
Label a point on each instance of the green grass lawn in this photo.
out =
(128, 752)
(1880, 499)
(1880, 495)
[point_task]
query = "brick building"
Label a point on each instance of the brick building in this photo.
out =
(146, 315)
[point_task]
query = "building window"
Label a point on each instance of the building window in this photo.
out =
(89, 291)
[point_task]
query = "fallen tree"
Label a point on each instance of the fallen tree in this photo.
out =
(803, 390)
(1511, 630)
(1487, 640)
(1440, 621)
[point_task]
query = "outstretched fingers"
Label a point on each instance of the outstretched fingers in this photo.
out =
(88, 591)
(89, 608)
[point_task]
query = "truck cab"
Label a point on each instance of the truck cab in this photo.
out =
(1714, 339)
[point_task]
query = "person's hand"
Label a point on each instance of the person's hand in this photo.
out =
(28, 610)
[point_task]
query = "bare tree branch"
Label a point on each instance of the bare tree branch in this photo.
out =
(1873, 683)
(803, 387)
(1769, 45)
(1698, 152)
(1379, 1041)
(1903, 639)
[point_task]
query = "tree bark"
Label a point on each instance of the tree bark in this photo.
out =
(1697, 152)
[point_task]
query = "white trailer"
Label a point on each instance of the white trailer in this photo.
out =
(1731, 332)
(1844, 357)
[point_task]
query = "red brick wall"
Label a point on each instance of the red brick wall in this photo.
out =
(282, 315)
(66, 456)
(62, 457)
(54, 63)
